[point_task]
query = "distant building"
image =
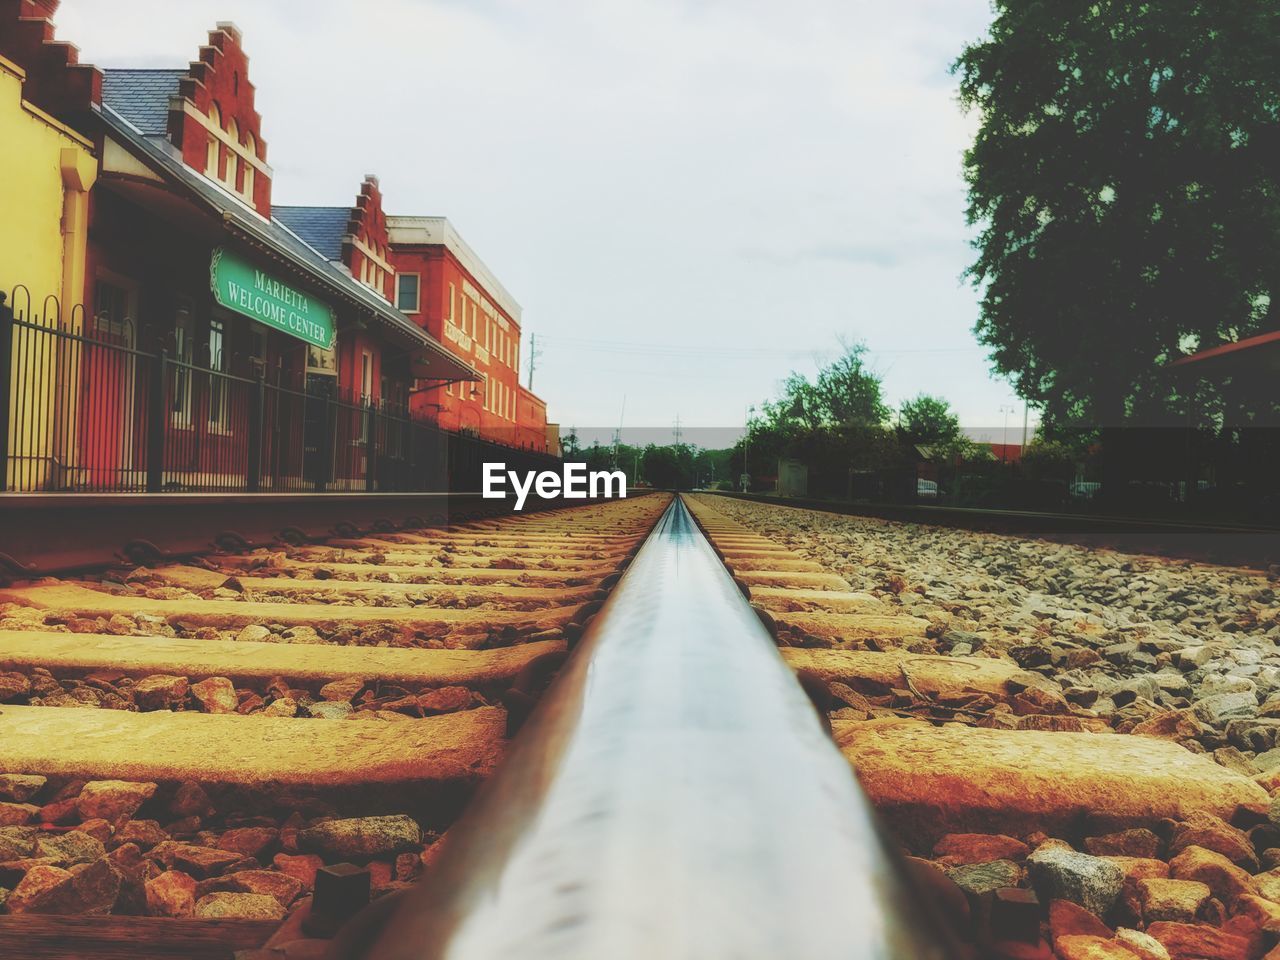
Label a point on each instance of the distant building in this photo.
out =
(1005, 452)
(444, 287)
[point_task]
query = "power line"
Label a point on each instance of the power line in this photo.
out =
(569, 344)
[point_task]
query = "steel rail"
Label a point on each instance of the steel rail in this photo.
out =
(674, 795)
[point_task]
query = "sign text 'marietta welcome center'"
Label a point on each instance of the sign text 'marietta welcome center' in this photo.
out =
(240, 286)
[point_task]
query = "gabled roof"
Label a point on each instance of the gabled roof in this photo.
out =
(142, 96)
(278, 241)
(321, 227)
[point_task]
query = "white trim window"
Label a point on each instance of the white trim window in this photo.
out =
(409, 292)
(214, 148)
(366, 377)
(183, 334)
(251, 144)
(219, 400)
(366, 392)
(231, 181)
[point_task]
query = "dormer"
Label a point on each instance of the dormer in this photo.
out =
(366, 249)
(355, 237)
(205, 111)
(213, 122)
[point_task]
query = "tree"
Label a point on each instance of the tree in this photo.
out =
(833, 423)
(928, 419)
(569, 446)
(1124, 180)
(848, 392)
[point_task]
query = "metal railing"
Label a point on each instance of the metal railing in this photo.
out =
(99, 405)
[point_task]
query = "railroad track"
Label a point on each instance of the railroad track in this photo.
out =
(168, 737)
(1221, 543)
(670, 783)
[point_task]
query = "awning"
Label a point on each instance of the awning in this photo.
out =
(429, 365)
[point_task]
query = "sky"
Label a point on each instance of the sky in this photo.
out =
(690, 199)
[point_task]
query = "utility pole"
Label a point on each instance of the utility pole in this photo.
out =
(534, 352)
(1025, 409)
(1006, 409)
(617, 434)
(679, 433)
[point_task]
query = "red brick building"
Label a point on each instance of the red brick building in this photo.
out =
(355, 239)
(445, 288)
(188, 261)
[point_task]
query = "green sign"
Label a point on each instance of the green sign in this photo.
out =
(245, 288)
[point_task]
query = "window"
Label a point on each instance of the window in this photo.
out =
(233, 159)
(452, 299)
(366, 378)
(322, 361)
(366, 393)
(181, 400)
(214, 148)
(371, 274)
(219, 416)
(113, 319)
(252, 145)
(407, 292)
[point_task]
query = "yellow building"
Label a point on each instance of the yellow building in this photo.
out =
(46, 172)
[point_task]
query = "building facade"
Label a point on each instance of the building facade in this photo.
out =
(179, 331)
(445, 288)
(48, 170)
(355, 239)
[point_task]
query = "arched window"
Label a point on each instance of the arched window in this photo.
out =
(252, 145)
(233, 159)
(214, 148)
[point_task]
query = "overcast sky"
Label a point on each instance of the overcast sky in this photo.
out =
(688, 199)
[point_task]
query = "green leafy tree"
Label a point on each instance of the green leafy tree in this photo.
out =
(928, 419)
(849, 392)
(569, 444)
(834, 422)
(1124, 181)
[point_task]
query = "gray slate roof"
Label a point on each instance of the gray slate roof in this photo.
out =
(142, 96)
(322, 227)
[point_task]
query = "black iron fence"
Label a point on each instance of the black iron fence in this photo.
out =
(90, 404)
